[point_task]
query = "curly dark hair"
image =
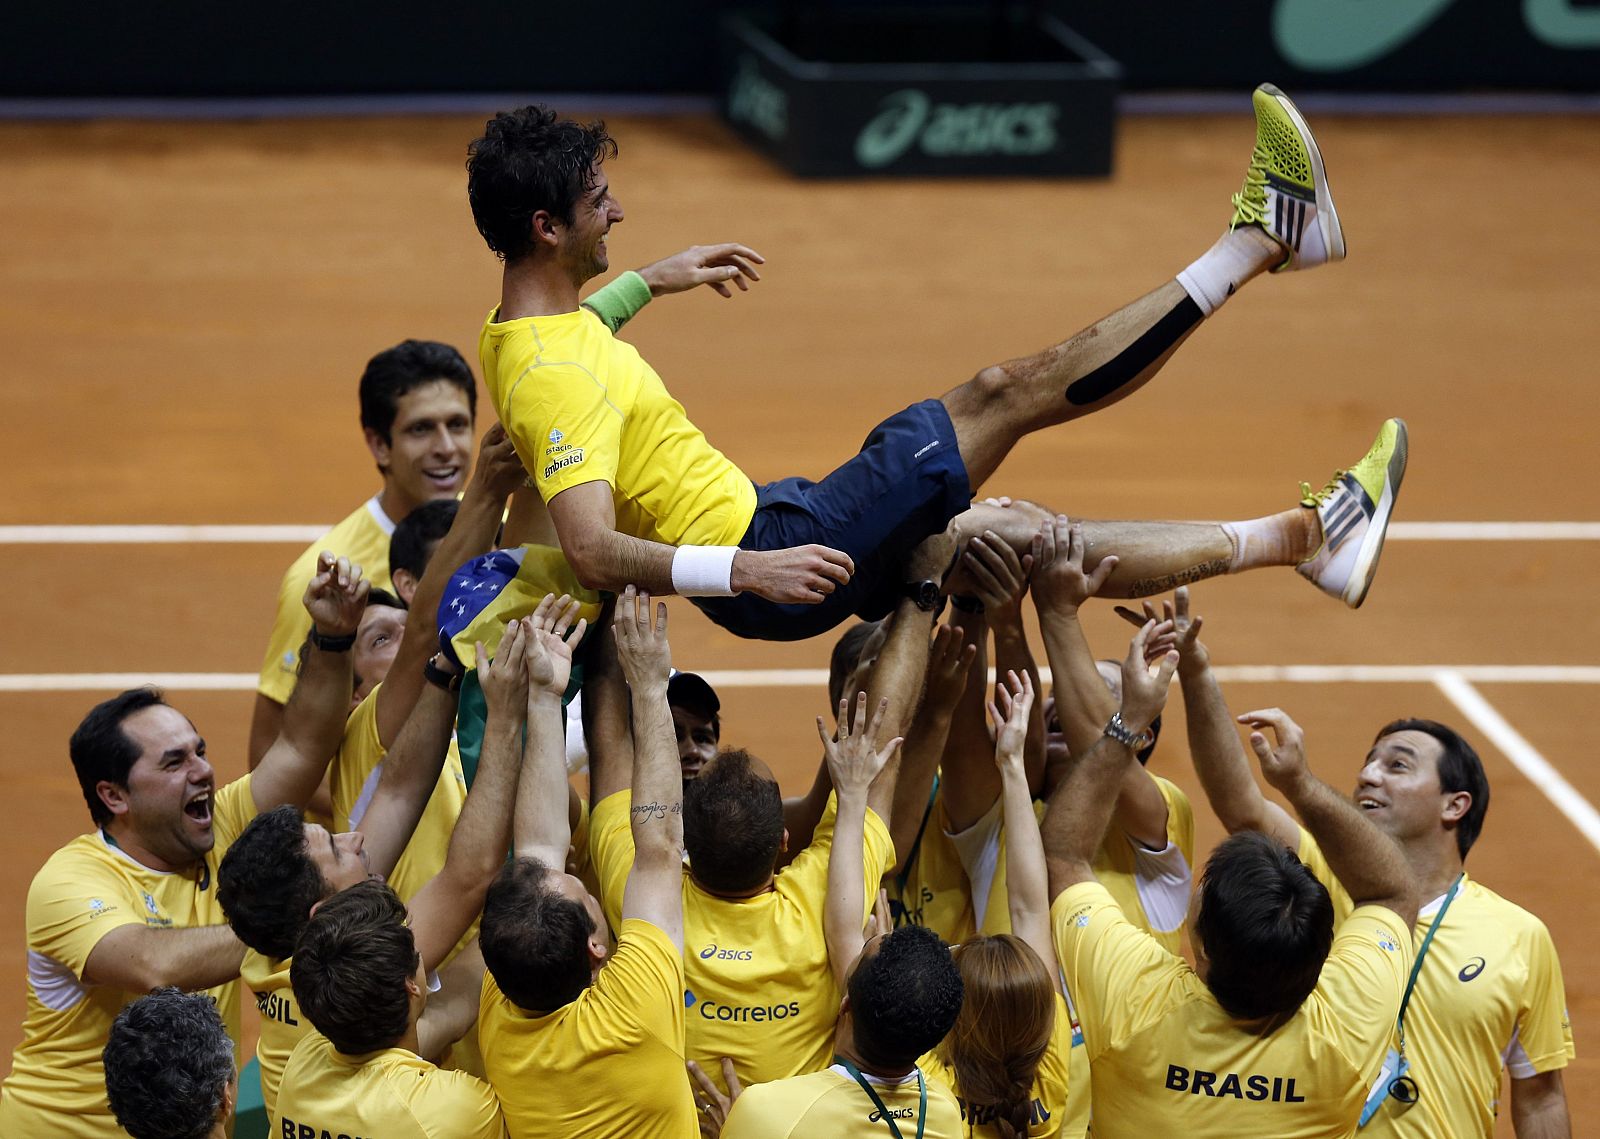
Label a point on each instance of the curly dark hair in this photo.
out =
(732, 824)
(350, 968)
(530, 160)
(267, 882)
(168, 1064)
(1266, 925)
(534, 940)
(905, 997)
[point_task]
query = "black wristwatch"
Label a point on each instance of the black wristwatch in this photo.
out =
(967, 603)
(925, 594)
(440, 677)
(332, 644)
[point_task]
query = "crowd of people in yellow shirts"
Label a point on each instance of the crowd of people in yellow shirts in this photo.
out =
(982, 918)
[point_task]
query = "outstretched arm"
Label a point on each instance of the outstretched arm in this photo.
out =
(715, 266)
(138, 958)
(543, 823)
(314, 718)
(654, 891)
(950, 663)
(1027, 881)
(1083, 701)
(1367, 862)
(1080, 807)
(855, 760)
(410, 773)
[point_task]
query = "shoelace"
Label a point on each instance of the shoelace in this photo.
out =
(1307, 498)
(1250, 202)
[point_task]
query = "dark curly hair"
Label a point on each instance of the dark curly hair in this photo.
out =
(905, 997)
(168, 1064)
(529, 160)
(267, 882)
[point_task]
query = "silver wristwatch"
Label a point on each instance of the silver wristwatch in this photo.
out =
(1125, 735)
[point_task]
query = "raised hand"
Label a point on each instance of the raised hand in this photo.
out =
(713, 1105)
(799, 575)
(642, 647)
(336, 596)
(949, 661)
(499, 470)
(714, 265)
(854, 760)
(1009, 710)
(505, 679)
(1145, 686)
(1059, 579)
(1283, 762)
(1185, 629)
(998, 577)
(549, 648)
(880, 922)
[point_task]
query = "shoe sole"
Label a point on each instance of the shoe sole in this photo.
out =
(1366, 567)
(1327, 216)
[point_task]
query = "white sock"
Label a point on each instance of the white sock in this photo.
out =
(1221, 270)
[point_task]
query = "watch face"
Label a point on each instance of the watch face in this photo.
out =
(925, 594)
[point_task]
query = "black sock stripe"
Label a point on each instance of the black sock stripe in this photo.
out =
(1126, 365)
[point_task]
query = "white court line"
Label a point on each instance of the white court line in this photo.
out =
(1488, 720)
(300, 535)
(818, 677)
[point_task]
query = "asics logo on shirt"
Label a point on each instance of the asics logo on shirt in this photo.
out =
(721, 954)
(892, 1113)
(1471, 969)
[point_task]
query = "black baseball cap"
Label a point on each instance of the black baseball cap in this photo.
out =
(689, 691)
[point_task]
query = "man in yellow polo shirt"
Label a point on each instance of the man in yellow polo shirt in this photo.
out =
(638, 495)
(359, 968)
(134, 906)
(1489, 992)
(579, 1040)
(1281, 1025)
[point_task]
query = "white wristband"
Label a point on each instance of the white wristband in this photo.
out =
(703, 571)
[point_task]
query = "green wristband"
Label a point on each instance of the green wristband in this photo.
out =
(620, 301)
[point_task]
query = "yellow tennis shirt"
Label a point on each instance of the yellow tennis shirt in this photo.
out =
(1050, 1086)
(1165, 1059)
(363, 537)
(830, 1103)
(1489, 994)
(932, 888)
(757, 984)
(582, 406)
(608, 1064)
(390, 1094)
(88, 888)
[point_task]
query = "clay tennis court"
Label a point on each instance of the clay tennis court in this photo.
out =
(185, 309)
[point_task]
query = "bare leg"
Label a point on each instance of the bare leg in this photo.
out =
(1105, 363)
(1153, 557)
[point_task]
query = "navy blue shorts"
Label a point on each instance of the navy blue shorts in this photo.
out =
(906, 483)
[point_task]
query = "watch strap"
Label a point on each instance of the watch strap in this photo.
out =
(330, 644)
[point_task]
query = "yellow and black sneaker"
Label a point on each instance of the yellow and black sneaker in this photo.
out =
(1285, 190)
(1354, 510)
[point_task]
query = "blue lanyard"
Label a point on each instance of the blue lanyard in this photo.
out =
(883, 1112)
(1422, 952)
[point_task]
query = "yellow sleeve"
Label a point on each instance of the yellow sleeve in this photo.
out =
(1544, 1030)
(807, 876)
(234, 807)
(360, 752)
(1311, 854)
(611, 851)
(74, 901)
(280, 666)
(564, 426)
(1362, 983)
(760, 1113)
(458, 1105)
(643, 983)
(1120, 977)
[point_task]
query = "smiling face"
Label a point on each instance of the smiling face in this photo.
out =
(429, 447)
(1399, 789)
(338, 857)
(697, 740)
(581, 243)
(165, 807)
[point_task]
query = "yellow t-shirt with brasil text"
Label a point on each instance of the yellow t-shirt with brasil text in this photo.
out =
(757, 984)
(1050, 1085)
(283, 1025)
(84, 891)
(1165, 1059)
(831, 1104)
(610, 1063)
(1490, 987)
(389, 1094)
(363, 537)
(582, 406)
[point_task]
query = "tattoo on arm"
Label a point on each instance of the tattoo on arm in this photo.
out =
(1145, 587)
(655, 811)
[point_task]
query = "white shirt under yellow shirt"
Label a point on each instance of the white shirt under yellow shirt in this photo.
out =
(363, 537)
(757, 984)
(389, 1094)
(831, 1104)
(1165, 1059)
(1051, 1084)
(609, 1063)
(582, 406)
(84, 891)
(1490, 993)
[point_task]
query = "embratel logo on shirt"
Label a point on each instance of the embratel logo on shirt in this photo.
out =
(572, 458)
